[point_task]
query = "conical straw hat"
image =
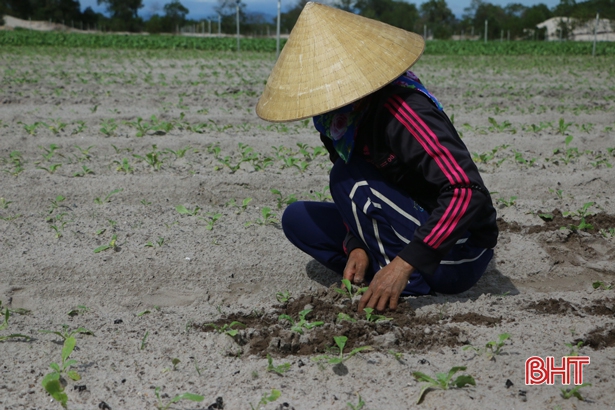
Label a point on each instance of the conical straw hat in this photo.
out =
(332, 58)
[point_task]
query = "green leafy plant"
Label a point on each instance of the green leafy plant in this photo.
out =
(302, 323)
(583, 212)
(108, 127)
(226, 328)
(152, 158)
(283, 200)
(283, 297)
(267, 398)
(340, 341)
(159, 242)
(602, 285)
(51, 382)
(84, 171)
(267, 217)
(79, 310)
(184, 396)
(358, 406)
(397, 355)
(52, 168)
(348, 289)
(212, 218)
(321, 196)
(49, 152)
(507, 202)
(185, 211)
(107, 198)
(4, 204)
(65, 333)
(574, 348)
(123, 166)
(240, 208)
(144, 340)
(567, 393)
(280, 369)
(492, 348)
(110, 245)
(443, 381)
(341, 316)
(6, 313)
(371, 317)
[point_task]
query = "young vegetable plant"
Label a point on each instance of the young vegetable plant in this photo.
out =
(268, 217)
(347, 289)
(359, 405)
(226, 328)
(283, 297)
(280, 369)
(211, 219)
(284, 200)
(110, 245)
(302, 323)
(507, 202)
(492, 348)
(340, 341)
(443, 381)
(567, 393)
(65, 333)
(179, 397)
(602, 285)
(371, 317)
(574, 348)
(341, 316)
(6, 314)
(159, 242)
(185, 211)
(99, 201)
(51, 382)
(275, 394)
(52, 168)
(84, 171)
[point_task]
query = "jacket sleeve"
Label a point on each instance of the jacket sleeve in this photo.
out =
(423, 138)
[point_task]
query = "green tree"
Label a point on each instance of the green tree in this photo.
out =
(396, 13)
(175, 13)
(438, 17)
(124, 14)
(290, 17)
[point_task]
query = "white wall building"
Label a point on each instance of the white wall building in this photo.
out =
(578, 30)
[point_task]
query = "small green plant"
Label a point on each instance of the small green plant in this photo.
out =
(110, 245)
(321, 196)
(267, 217)
(397, 355)
(267, 398)
(152, 158)
(443, 381)
(558, 192)
(574, 348)
(563, 127)
(124, 166)
(602, 286)
(17, 162)
(144, 340)
(51, 382)
(567, 393)
(283, 200)
(84, 171)
(341, 316)
(507, 202)
(184, 396)
(49, 152)
(99, 201)
(283, 297)
(175, 362)
(65, 333)
(79, 310)
(347, 289)
(4, 204)
(583, 212)
(492, 348)
(226, 328)
(159, 242)
(359, 405)
(240, 208)
(52, 168)
(185, 211)
(108, 127)
(212, 218)
(371, 317)
(6, 313)
(340, 341)
(302, 323)
(280, 369)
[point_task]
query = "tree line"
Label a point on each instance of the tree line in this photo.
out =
(434, 16)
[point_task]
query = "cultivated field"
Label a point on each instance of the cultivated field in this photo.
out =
(140, 199)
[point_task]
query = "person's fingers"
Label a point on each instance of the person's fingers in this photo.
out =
(382, 302)
(393, 302)
(349, 273)
(364, 300)
(359, 274)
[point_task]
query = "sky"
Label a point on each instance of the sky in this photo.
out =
(204, 8)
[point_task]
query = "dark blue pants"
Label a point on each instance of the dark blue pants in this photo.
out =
(384, 219)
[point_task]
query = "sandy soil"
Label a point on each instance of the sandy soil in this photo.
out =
(87, 103)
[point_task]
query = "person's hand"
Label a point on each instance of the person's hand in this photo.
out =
(356, 266)
(387, 285)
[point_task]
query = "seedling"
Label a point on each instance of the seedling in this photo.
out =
(283, 297)
(268, 217)
(185, 211)
(347, 289)
(492, 348)
(602, 285)
(583, 213)
(563, 127)
(79, 310)
(397, 355)
(227, 328)
(108, 197)
(443, 381)
(152, 158)
(370, 317)
(159, 242)
(240, 208)
(359, 405)
(123, 166)
(6, 314)
(49, 152)
(84, 171)
(108, 127)
(110, 245)
(507, 202)
(211, 220)
(340, 341)
(4, 204)
(51, 382)
(275, 394)
(52, 168)
(302, 323)
(341, 316)
(321, 196)
(179, 397)
(175, 362)
(145, 202)
(574, 348)
(574, 392)
(284, 200)
(16, 159)
(280, 369)
(144, 340)
(558, 192)
(65, 333)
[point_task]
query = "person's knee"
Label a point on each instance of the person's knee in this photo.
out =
(292, 218)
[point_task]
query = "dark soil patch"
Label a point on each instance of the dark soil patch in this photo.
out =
(598, 221)
(600, 338)
(404, 331)
(476, 319)
(552, 307)
(603, 307)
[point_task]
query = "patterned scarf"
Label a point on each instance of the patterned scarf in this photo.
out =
(341, 125)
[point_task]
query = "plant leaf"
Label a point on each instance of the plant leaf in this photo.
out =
(464, 380)
(69, 346)
(73, 375)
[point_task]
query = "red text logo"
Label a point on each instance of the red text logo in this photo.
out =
(539, 371)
